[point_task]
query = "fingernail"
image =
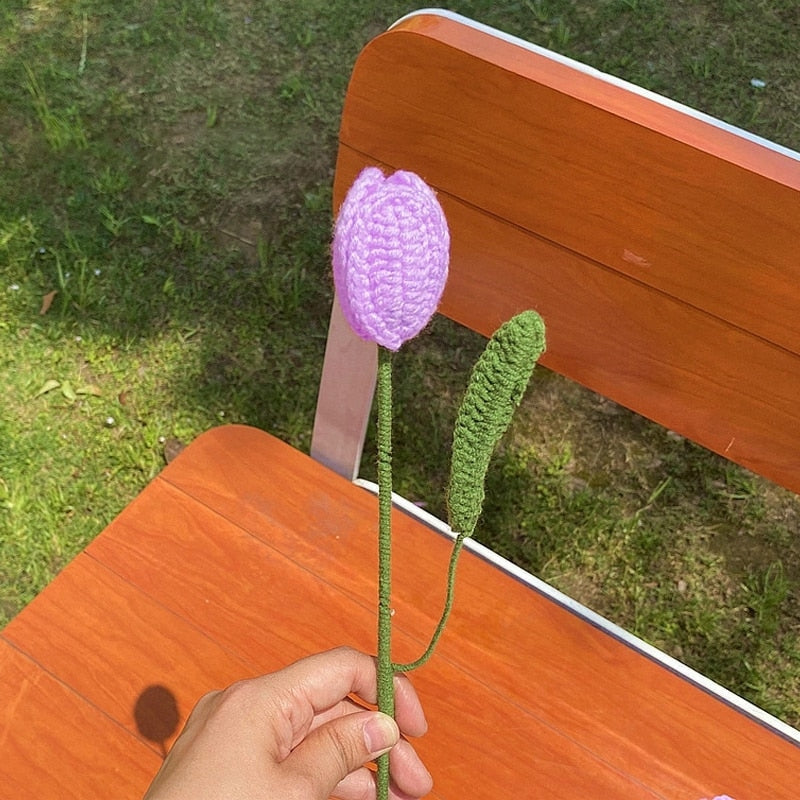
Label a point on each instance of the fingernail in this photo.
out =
(380, 734)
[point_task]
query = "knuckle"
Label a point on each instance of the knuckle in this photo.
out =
(237, 694)
(238, 702)
(346, 653)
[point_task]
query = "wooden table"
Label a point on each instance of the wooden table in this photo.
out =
(245, 554)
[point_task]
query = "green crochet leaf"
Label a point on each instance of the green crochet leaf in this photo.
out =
(495, 388)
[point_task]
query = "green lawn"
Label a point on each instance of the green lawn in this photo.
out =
(165, 168)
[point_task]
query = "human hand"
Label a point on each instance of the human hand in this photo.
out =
(296, 735)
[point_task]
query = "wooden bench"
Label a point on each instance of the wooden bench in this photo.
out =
(661, 248)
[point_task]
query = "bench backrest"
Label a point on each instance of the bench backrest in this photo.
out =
(661, 246)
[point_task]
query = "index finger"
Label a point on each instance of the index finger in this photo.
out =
(322, 680)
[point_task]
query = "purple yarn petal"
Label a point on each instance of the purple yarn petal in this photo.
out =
(391, 249)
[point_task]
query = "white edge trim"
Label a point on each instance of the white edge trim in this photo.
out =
(604, 76)
(593, 618)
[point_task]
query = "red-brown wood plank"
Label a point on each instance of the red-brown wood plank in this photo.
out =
(55, 746)
(544, 661)
(718, 385)
(660, 248)
(262, 580)
(109, 642)
(269, 607)
(288, 611)
(610, 174)
(264, 607)
(612, 96)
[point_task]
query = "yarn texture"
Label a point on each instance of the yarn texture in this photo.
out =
(495, 389)
(391, 251)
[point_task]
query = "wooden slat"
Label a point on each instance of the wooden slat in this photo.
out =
(218, 567)
(268, 607)
(289, 598)
(578, 681)
(55, 746)
(660, 248)
(706, 379)
(109, 643)
(608, 173)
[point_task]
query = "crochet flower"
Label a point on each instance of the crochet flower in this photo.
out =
(391, 249)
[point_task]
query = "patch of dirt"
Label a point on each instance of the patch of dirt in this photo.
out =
(769, 533)
(242, 234)
(752, 522)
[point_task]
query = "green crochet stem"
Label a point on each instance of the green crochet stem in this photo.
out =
(448, 606)
(385, 670)
(495, 389)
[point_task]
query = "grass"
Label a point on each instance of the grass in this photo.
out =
(166, 171)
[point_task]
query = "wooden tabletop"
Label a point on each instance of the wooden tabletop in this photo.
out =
(245, 554)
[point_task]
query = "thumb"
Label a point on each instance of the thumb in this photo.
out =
(331, 752)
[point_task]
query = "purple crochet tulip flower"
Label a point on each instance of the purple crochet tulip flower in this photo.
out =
(391, 250)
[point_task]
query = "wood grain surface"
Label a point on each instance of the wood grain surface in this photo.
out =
(54, 744)
(212, 575)
(661, 249)
(679, 204)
